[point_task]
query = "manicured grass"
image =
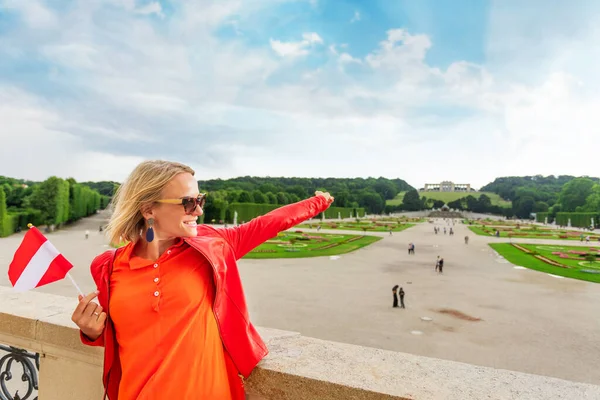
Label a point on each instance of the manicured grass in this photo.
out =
(354, 226)
(520, 258)
(313, 246)
(451, 196)
(528, 233)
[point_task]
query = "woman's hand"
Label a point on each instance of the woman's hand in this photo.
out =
(327, 196)
(89, 316)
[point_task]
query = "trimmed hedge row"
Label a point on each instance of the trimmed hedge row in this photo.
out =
(248, 211)
(541, 217)
(4, 223)
(53, 202)
(578, 219)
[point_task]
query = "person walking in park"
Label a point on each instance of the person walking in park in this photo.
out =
(467, 239)
(395, 292)
(87, 233)
(437, 263)
(441, 265)
(401, 293)
(172, 316)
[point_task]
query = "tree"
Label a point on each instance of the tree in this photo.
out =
(524, 207)
(259, 197)
(411, 201)
(439, 204)
(283, 198)
(540, 206)
(372, 201)
(245, 197)
(471, 203)
(48, 197)
(484, 203)
(575, 193)
(455, 205)
(592, 202)
(272, 198)
(386, 189)
(298, 190)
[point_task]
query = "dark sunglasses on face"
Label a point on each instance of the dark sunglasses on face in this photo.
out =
(189, 203)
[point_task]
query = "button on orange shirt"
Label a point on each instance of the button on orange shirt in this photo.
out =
(169, 342)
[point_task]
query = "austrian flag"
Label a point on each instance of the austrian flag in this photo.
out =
(36, 263)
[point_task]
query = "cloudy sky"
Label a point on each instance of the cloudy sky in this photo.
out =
(462, 90)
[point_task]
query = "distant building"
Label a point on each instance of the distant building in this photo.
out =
(447, 186)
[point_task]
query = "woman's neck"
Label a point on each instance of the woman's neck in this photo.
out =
(153, 250)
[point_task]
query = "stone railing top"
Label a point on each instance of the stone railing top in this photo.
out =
(300, 367)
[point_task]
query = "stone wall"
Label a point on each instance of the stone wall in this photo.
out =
(39, 327)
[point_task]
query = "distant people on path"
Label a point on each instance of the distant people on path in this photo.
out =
(394, 291)
(441, 265)
(401, 293)
(444, 230)
(467, 239)
(390, 231)
(411, 248)
(437, 263)
(87, 234)
(451, 232)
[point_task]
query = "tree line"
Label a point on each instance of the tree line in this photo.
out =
(539, 194)
(412, 201)
(368, 193)
(55, 201)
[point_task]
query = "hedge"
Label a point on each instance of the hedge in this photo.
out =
(344, 212)
(3, 215)
(247, 211)
(578, 219)
(541, 217)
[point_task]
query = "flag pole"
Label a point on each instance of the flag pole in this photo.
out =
(75, 284)
(30, 225)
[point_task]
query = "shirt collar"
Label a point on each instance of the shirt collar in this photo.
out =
(136, 262)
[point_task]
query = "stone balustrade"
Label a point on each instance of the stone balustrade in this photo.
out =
(40, 343)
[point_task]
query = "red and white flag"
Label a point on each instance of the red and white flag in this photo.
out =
(36, 263)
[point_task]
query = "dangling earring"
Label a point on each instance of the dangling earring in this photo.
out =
(150, 231)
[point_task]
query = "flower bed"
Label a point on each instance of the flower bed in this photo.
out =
(551, 262)
(523, 249)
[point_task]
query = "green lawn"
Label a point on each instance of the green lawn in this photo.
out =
(358, 226)
(310, 245)
(451, 196)
(528, 233)
(520, 258)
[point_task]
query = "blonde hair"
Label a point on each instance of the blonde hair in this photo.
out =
(143, 186)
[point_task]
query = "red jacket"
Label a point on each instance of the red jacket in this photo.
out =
(222, 247)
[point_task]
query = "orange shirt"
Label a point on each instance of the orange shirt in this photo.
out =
(169, 342)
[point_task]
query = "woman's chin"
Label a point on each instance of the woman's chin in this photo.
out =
(190, 230)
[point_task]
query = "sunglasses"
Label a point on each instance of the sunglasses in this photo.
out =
(189, 203)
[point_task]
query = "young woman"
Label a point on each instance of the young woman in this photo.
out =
(172, 315)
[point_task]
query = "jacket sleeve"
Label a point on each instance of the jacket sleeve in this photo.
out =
(87, 341)
(245, 237)
(96, 270)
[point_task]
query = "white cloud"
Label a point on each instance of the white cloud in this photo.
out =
(296, 49)
(34, 13)
(356, 17)
(347, 58)
(151, 8)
